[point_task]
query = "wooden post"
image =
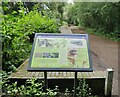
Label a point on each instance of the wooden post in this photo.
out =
(75, 84)
(45, 79)
(108, 82)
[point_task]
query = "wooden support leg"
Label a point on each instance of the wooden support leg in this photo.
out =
(45, 79)
(75, 84)
(108, 82)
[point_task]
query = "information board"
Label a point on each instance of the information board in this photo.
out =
(60, 52)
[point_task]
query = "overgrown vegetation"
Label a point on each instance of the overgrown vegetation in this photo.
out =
(14, 44)
(101, 17)
(18, 31)
(34, 87)
(21, 20)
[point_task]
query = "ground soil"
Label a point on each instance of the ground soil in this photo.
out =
(107, 52)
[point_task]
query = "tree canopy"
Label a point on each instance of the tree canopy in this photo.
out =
(103, 17)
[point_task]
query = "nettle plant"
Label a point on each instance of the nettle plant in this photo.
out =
(34, 87)
(83, 89)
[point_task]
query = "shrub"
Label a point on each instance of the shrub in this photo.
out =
(18, 33)
(34, 22)
(15, 46)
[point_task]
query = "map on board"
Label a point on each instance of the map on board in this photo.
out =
(60, 52)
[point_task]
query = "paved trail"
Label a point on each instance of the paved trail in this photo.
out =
(107, 52)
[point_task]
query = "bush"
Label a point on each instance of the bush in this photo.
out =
(34, 22)
(18, 33)
(15, 45)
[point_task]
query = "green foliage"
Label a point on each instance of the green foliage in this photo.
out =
(34, 87)
(111, 36)
(55, 10)
(53, 93)
(18, 31)
(83, 89)
(100, 16)
(14, 44)
(67, 92)
(34, 22)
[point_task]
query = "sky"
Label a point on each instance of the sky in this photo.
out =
(70, 2)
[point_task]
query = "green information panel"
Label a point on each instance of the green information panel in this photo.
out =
(59, 52)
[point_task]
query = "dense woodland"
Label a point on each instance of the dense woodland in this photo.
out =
(21, 20)
(101, 17)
